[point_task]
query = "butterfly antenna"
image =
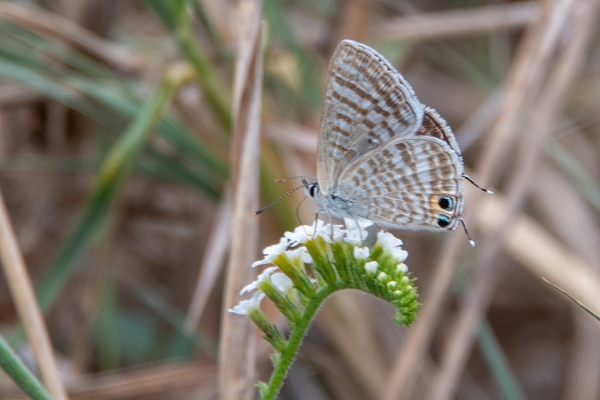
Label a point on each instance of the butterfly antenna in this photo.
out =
(467, 177)
(262, 210)
(471, 241)
(295, 177)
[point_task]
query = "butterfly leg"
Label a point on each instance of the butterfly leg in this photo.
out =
(316, 222)
(330, 222)
(331, 225)
(362, 241)
(382, 228)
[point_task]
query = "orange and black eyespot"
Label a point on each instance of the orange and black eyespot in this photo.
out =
(443, 220)
(446, 203)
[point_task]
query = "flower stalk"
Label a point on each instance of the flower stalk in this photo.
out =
(322, 260)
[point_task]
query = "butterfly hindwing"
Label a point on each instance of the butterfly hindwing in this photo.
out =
(408, 184)
(435, 126)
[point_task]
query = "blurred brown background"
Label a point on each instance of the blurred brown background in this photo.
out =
(129, 267)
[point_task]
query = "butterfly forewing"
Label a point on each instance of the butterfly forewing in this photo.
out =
(367, 104)
(401, 185)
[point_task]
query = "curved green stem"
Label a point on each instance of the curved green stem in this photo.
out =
(302, 324)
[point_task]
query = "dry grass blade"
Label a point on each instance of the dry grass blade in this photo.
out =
(461, 336)
(480, 121)
(237, 345)
(580, 304)
(575, 225)
(144, 382)
(73, 34)
(343, 320)
(296, 136)
(353, 22)
(542, 254)
(523, 83)
(458, 23)
(215, 252)
(27, 306)
(156, 382)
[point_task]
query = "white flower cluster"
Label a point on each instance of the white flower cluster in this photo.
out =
(355, 233)
(392, 246)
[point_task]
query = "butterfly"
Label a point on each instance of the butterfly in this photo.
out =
(382, 155)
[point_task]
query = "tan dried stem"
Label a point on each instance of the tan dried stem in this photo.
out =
(446, 24)
(344, 322)
(148, 382)
(212, 260)
(73, 34)
(28, 309)
(237, 342)
(541, 253)
(523, 84)
(353, 21)
(582, 16)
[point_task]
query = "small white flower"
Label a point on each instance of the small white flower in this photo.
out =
(356, 232)
(246, 306)
(299, 254)
(351, 223)
(392, 285)
(361, 253)
(388, 240)
(371, 267)
(391, 244)
(271, 252)
(326, 233)
(305, 232)
(355, 237)
(281, 282)
(402, 268)
(398, 254)
(382, 276)
(262, 277)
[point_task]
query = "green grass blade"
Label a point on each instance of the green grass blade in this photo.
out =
(177, 19)
(505, 379)
(115, 169)
(114, 103)
(108, 338)
(169, 127)
(11, 364)
(173, 316)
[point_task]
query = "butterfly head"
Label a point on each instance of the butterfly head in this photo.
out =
(311, 188)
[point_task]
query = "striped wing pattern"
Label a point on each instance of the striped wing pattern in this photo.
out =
(401, 185)
(434, 125)
(382, 155)
(367, 104)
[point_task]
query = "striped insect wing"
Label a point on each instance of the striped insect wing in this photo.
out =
(367, 104)
(382, 155)
(435, 126)
(412, 183)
